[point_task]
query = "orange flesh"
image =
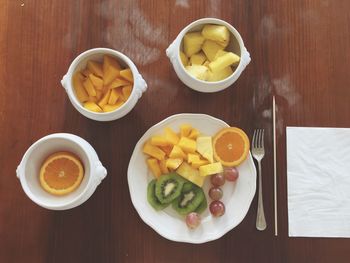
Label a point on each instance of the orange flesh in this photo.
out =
(229, 146)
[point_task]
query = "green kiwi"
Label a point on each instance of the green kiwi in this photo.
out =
(189, 200)
(201, 208)
(151, 197)
(168, 187)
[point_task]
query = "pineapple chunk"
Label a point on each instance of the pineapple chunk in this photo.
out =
(171, 136)
(184, 59)
(159, 141)
(127, 74)
(185, 130)
(89, 87)
(188, 145)
(111, 69)
(192, 43)
(108, 108)
(220, 75)
(104, 99)
(80, 92)
(192, 157)
(224, 61)
(96, 81)
(177, 152)
(163, 168)
(92, 106)
(118, 83)
(113, 97)
(198, 58)
(173, 163)
(95, 68)
(205, 147)
(209, 169)
(191, 174)
(154, 167)
(217, 33)
(153, 151)
(198, 71)
(194, 134)
(220, 53)
(210, 48)
(126, 91)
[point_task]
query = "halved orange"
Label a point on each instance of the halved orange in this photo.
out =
(231, 146)
(61, 173)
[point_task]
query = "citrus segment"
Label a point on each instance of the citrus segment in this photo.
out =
(231, 146)
(61, 173)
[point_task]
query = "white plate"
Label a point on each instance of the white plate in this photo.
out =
(237, 196)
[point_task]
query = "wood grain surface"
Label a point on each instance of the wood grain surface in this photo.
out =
(300, 52)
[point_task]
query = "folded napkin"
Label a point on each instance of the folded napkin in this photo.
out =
(318, 174)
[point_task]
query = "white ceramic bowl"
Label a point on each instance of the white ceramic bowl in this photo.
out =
(28, 170)
(96, 54)
(236, 45)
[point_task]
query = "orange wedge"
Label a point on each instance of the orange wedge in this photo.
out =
(230, 146)
(61, 173)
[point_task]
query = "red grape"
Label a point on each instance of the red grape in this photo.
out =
(217, 179)
(215, 193)
(217, 208)
(193, 220)
(231, 174)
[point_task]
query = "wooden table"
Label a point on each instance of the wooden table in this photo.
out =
(300, 52)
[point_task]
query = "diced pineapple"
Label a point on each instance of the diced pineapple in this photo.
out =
(184, 59)
(217, 33)
(210, 48)
(187, 145)
(220, 75)
(108, 108)
(192, 157)
(224, 61)
(220, 53)
(192, 43)
(172, 163)
(79, 89)
(113, 97)
(209, 169)
(153, 151)
(198, 71)
(111, 69)
(163, 168)
(194, 134)
(118, 82)
(191, 174)
(95, 68)
(154, 167)
(89, 87)
(104, 99)
(185, 130)
(177, 152)
(159, 141)
(126, 91)
(96, 81)
(127, 74)
(171, 136)
(206, 63)
(205, 147)
(92, 106)
(198, 58)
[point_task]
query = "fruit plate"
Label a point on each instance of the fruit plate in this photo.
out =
(237, 196)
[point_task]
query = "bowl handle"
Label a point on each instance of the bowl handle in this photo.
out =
(19, 171)
(245, 58)
(64, 82)
(100, 173)
(170, 51)
(140, 85)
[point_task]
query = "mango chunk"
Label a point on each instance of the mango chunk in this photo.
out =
(86, 72)
(167, 149)
(154, 167)
(92, 106)
(210, 48)
(199, 163)
(126, 91)
(198, 71)
(198, 58)
(191, 174)
(184, 59)
(99, 94)
(159, 141)
(205, 147)
(187, 145)
(92, 99)
(220, 75)
(89, 87)
(127, 74)
(96, 81)
(224, 61)
(194, 134)
(171, 136)
(104, 99)
(217, 33)
(108, 108)
(177, 152)
(185, 130)
(111, 69)
(173, 163)
(153, 151)
(95, 68)
(163, 168)
(79, 89)
(195, 160)
(118, 82)
(209, 169)
(192, 43)
(113, 97)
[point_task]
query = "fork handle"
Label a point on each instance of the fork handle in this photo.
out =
(260, 218)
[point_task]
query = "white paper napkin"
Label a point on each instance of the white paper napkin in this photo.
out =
(318, 171)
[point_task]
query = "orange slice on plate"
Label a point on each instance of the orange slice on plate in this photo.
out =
(61, 173)
(231, 146)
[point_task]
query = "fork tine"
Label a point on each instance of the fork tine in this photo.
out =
(254, 139)
(262, 139)
(259, 139)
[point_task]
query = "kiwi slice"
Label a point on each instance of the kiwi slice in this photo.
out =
(168, 187)
(151, 197)
(201, 208)
(189, 200)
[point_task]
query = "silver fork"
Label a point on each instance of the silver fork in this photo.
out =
(258, 152)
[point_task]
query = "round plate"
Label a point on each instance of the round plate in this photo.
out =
(237, 196)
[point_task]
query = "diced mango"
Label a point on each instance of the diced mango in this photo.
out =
(205, 147)
(89, 87)
(92, 99)
(192, 43)
(99, 94)
(177, 152)
(199, 163)
(217, 33)
(126, 91)
(210, 48)
(92, 106)
(171, 136)
(192, 157)
(185, 130)
(113, 97)
(167, 149)
(224, 61)
(154, 167)
(220, 75)
(108, 108)
(191, 174)
(127, 74)
(153, 151)
(96, 81)
(187, 145)
(95, 68)
(209, 169)
(159, 141)
(111, 69)
(104, 99)
(184, 59)
(79, 89)
(118, 82)
(194, 134)
(198, 58)
(163, 168)
(198, 71)
(172, 163)
(86, 72)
